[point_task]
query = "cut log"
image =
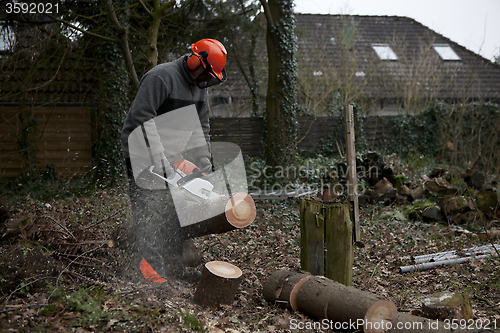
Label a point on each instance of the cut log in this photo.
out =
(418, 192)
(440, 186)
(471, 216)
(456, 205)
(487, 201)
(432, 214)
(323, 298)
(274, 284)
(314, 295)
(282, 287)
(447, 305)
(474, 178)
(239, 212)
(218, 284)
(385, 189)
(350, 304)
(490, 234)
(407, 323)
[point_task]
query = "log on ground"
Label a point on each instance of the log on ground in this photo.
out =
(282, 287)
(218, 284)
(314, 295)
(350, 304)
(322, 298)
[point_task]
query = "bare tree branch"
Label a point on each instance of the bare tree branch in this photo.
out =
(108, 39)
(123, 42)
(146, 8)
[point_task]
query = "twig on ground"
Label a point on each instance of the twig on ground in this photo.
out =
(66, 230)
(102, 220)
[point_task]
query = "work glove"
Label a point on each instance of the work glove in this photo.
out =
(163, 167)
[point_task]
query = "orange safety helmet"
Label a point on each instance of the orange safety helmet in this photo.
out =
(210, 54)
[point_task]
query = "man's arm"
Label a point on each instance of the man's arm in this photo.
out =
(152, 92)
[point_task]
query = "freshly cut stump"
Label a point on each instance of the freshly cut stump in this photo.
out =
(447, 305)
(314, 295)
(239, 213)
(350, 304)
(218, 284)
(282, 288)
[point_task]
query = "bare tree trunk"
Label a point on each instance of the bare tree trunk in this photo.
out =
(281, 103)
(123, 42)
(156, 15)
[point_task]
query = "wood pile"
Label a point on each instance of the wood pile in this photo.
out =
(440, 196)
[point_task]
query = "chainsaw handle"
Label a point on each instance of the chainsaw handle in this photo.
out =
(151, 168)
(195, 174)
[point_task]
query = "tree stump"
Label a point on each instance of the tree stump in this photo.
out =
(218, 284)
(326, 240)
(447, 305)
(282, 287)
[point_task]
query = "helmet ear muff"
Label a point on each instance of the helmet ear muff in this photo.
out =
(193, 62)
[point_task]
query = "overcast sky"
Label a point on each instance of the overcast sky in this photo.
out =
(474, 24)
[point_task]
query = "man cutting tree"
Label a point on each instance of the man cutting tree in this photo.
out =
(172, 92)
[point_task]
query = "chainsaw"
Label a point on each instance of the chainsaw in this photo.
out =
(189, 177)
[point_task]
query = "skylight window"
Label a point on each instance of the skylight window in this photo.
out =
(446, 52)
(384, 52)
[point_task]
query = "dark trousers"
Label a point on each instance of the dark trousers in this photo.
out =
(157, 234)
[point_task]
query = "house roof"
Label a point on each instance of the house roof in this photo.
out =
(412, 43)
(337, 51)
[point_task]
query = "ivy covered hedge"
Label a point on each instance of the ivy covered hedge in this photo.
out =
(465, 135)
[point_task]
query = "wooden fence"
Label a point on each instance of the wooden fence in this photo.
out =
(249, 134)
(63, 137)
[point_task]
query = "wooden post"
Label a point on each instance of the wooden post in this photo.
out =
(352, 180)
(326, 240)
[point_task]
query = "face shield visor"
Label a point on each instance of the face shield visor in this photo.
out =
(209, 78)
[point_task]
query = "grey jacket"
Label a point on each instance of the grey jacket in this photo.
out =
(165, 88)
